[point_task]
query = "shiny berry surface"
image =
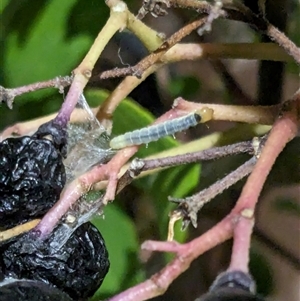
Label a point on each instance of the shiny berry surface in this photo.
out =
(32, 177)
(78, 267)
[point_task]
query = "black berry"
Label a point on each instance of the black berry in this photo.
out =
(77, 268)
(32, 177)
(26, 290)
(229, 294)
(232, 286)
(58, 132)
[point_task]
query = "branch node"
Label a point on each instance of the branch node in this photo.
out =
(160, 289)
(257, 144)
(190, 206)
(137, 73)
(119, 7)
(7, 96)
(136, 167)
(188, 213)
(60, 82)
(247, 213)
(157, 8)
(87, 73)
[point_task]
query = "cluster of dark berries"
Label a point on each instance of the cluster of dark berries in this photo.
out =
(77, 268)
(18, 290)
(232, 286)
(32, 176)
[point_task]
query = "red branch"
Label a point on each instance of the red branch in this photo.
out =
(238, 223)
(82, 184)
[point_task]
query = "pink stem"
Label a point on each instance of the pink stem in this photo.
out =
(241, 245)
(159, 282)
(70, 102)
(285, 128)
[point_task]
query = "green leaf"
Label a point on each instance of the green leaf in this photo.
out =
(3, 4)
(45, 53)
(19, 17)
(121, 241)
(87, 17)
(184, 85)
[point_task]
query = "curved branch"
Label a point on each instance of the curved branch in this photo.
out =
(238, 223)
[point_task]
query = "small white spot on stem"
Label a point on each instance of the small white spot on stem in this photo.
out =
(247, 213)
(120, 7)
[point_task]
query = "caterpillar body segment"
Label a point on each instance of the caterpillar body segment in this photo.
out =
(157, 131)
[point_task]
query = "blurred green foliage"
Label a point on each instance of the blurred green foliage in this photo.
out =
(184, 85)
(121, 241)
(36, 48)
